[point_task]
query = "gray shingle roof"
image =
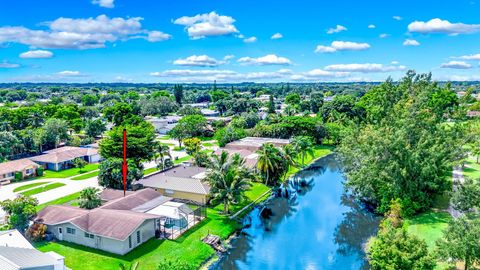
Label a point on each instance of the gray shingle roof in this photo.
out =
(64, 154)
(184, 184)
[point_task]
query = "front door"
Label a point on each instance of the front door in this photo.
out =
(60, 233)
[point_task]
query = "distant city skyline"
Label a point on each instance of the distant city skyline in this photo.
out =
(172, 41)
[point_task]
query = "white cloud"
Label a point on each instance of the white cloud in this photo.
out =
(277, 36)
(250, 40)
(67, 33)
(270, 59)
(364, 68)
(104, 3)
(36, 54)
(228, 57)
(394, 62)
(383, 35)
(342, 46)
(442, 26)
(70, 73)
(397, 18)
(198, 61)
(371, 26)
(337, 29)
(156, 36)
(6, 64)
(208, 24)
(470, 57)
(456, 65)
(411, 42)
(316, 74)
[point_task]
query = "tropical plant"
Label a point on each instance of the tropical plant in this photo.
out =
(304, 146)
(269, 161)
(192, 145)
(79, 163)
(228, 179)
(36, 232)
(162, 153)
(133, 266)
(89, 198)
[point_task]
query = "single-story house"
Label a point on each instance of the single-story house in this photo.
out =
(180, 182)
(118, 226)
(8, 169)
(17, 253)
(255, 143)
(250, 157)
(164, 124)
(62, 158)
(210, 113)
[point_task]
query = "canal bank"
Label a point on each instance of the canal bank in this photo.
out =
(320, 227)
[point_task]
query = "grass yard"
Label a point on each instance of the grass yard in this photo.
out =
(69, 172)
(209, 144)
(319, 151)
(42, 189)
(149, 171)
(24, 187)
(254, 193)
(188, 248)
(86, 176)
(180, 160)
(63, 200)
(473, 169)
(429, 226)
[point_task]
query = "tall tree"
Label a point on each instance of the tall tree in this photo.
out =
(461, 242)
(228, 179)
(304, 146)
(271, 105)
(20, 210)
(178, 93)
(110, 175)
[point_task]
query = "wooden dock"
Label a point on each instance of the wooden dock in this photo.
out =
(215, 242)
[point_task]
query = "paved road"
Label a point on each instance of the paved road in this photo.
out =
(458, 178)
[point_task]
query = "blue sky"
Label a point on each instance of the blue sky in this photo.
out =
(235, 41)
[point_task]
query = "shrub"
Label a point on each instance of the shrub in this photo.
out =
(39, 171)
(36, 232)
(18, 176)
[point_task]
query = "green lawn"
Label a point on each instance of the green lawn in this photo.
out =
(209, 144)
(42, 189)
(149, 171)
(86, 176)
(188, 247)
(473, 170)
(254, 193)
(63, 200)
(319, 151)
(69, 172)
(24, 187)
(180, 160)
(429, 226)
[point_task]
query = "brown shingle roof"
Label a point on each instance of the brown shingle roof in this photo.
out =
(64, 154)
(16, 165)
(117, 224)
(133, 200)
(57, 214)
(109, 194)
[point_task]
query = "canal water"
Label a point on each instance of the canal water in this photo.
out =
(319, 228)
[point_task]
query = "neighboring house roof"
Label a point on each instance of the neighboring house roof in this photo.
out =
(16, 165)
(473, 113)
(13, 258)
(116, 224)
(63, 154)
(109, 194)
(250, 157)
(255, 143)
(13, 238)
(183, 184)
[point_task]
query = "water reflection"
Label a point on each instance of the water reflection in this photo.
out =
(319, 228)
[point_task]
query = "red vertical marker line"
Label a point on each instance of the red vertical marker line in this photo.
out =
(124, 165)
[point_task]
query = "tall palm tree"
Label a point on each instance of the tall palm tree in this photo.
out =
(268, 160)
(89, 198)
(162, 151)
(304, 146)
(228, 179)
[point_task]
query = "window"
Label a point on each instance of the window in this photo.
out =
(29, 171)
(71, 230)
(138, 237)
(89, 235)
(130, 241)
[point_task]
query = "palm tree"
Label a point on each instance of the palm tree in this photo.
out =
(268, 160)
(134, 266)
(161, 152)
(228, 179)
(89, 198)
(304, 146)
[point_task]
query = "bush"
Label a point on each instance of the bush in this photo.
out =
(36, 232)
(39, 171)
(18, 176)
